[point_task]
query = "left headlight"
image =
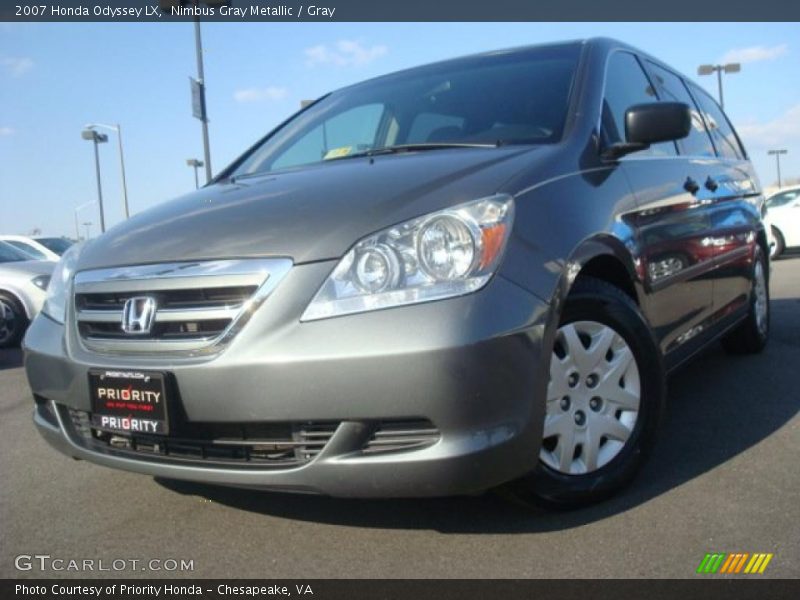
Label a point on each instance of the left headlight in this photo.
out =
(42, 281)
(55, 305)
(440, 255)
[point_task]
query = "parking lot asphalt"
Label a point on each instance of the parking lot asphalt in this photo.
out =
(724, 477)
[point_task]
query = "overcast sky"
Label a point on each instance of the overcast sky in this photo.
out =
(54, 78)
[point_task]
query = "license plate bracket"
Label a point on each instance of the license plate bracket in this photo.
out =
(129, 402)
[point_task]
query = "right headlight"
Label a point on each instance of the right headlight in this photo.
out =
(55, 305)
(440, 255)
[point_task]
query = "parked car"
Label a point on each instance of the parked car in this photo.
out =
(22, 292)
(434, 282)
(36, 248)
(783, 220)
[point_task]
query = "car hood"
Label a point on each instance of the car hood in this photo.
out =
(309, 214)
(27, 267)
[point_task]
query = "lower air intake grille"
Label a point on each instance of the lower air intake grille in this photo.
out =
(401, 436)
(261, 445)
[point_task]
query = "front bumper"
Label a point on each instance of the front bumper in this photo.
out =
(474, 366)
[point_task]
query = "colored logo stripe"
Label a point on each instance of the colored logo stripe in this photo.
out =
(758, 563)
(722, 562)
(711, 562)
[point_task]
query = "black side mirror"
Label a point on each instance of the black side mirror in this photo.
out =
(651, 123)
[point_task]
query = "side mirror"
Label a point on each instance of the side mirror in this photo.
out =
(647, 124)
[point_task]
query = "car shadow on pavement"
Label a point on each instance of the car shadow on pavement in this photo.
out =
(719, 406)
(10, 358)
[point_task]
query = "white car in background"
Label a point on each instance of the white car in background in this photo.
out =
(783, 220)
(39, 248)
(23, 286)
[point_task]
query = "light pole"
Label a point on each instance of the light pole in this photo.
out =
(198, 45)
(193, 162)
(198, 85)
(777, 155)
(78, 208)
(97, 138)
(118, 130)
(728, 68)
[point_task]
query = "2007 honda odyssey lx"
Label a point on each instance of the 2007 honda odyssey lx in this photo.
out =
(435, 282)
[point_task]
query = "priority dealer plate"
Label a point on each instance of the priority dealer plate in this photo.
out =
(129, 401)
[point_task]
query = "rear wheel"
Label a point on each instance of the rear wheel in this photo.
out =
(13, 326)
(751, 335)
(605, 399)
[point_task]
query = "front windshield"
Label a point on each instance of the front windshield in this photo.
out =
(518, 97)
(10, 254)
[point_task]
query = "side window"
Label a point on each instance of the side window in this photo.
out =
(626, 85)
(432, 127)
(718, 126)
(673, 89)
(783, 199)
(351, 131)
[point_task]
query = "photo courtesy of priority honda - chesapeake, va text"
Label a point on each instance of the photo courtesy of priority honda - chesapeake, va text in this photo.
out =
(459, 276)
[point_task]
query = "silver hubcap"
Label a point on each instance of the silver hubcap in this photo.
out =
(7, 324)
(761, 306)
(592, 400)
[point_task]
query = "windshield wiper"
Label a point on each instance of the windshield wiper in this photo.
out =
(399, 148)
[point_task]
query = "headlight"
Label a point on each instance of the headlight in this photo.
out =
(41, 281)
(444, 254)
(55, 305)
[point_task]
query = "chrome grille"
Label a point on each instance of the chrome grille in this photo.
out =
(199, 305)
(400, 436)
(277, 445)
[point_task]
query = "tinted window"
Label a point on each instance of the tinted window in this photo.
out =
(783, 199)
(626, 85)
(718, 125)
(510, 98)
(673, 89)
(57, 245)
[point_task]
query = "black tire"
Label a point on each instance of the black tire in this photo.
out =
(780, 244)
(748, 337)
(16, 321)
(596, 300)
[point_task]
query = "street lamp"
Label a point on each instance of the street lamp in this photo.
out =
(777, 155)
(193, 162)
(116, 128)
(719, 69)
(77, 208)
(97, 138)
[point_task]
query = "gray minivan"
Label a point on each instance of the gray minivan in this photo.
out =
(462, 275)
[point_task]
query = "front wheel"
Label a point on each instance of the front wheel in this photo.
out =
(13, 326)
(605, 400)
